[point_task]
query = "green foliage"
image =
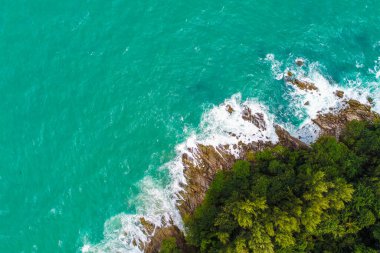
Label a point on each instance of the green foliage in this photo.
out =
(324, 199)
(169, 245)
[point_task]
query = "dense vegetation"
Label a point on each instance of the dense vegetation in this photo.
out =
(323, 199)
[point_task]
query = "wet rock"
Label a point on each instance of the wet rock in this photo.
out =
(339, 93)
(154, 245)
(300, 62)
(334, 123)
(285, 139)
(304, 85)
(149, 227)
(209, 160)
(370, 100)
(199, 176)
(229, 109)
(307, 103)
(257, 119)
(289, 77)
(246, 113)
(232, 134)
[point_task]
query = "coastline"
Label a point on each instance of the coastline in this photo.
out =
(202, 162)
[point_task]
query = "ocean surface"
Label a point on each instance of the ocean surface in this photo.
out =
(96, 97)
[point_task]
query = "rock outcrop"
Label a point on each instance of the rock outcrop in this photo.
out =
(285, 139)
(203, 162)
(200, 170)
(162, 233)
(256, 118)
(339, 93)
(303, 85)
(334, 123)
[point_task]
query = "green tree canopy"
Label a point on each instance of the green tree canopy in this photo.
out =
(322, 199)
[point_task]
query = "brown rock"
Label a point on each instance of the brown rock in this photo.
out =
(154, 245)
(289, 76)
(303, 85)
(334, 123)
(285, 139)
(307, 103)
(229, 109)
(149, 227)
(339, 93)
(257, 119)
(199, 174)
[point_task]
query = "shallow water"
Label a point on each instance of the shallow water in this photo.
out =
(95, 96)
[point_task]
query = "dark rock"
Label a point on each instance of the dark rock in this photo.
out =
(289, 76)
(307, 103)
(257, 119)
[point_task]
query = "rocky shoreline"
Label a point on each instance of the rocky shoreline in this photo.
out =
(205, 160)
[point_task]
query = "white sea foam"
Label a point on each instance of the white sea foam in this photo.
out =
(376, 69)
(156, 202)
(275, 66)
(324, 99)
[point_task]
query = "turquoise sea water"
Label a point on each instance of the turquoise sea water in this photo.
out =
(95, 95)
